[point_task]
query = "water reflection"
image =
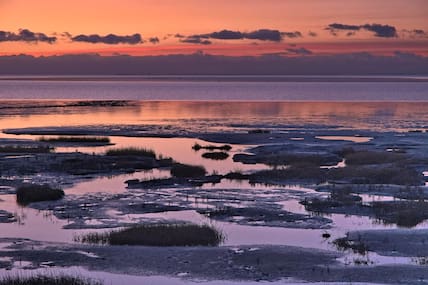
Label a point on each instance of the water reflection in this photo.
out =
(217, 115)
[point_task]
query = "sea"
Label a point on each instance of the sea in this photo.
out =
(375, 103)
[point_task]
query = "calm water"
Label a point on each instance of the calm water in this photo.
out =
(218, 88)
(213, 103)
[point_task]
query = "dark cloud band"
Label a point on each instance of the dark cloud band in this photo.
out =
(110, 39)
(381, 31)
(261, 35)
(26, 35)
(298, 51)
(195, 40)
(154, 40)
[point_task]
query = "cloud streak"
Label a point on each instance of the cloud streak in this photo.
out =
(298, 51)
(260, 35)
(110, 39)
(196, 39)
(154, 40)
(25, 35)
(379, 30)
(415, 33)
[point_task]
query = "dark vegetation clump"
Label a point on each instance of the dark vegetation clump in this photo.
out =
(259, 131)
(101, 103)
(74, 139)
(345, 196)
(338, 198)
(402, 213)
(37, 193)
(354, 174)
(158, 235)
(131, 151)
(376, 167)
(290, 159)
(215, 155)
(25, 149)
(187, 171)
(83, 164)
(224, 147)
(237, 175)
(346, 244)
(292, 173)
(345, 151)
(326, 235)
(47, 280)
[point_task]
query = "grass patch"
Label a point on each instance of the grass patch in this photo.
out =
(293, 159)
(25, 149)
(237, 175)
(37, 193)
(47, 280)
(300, 159)
(72, 139)
(356, 174)
(373, 157)
(224, 147)
(215, 155)
(131, 151)
(187, 171)
(296, 172)
(259, 131)
(158, 235)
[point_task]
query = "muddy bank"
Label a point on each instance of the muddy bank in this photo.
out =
(243, 263)
(396, 191)
(406, 214)
(210, 263)
(6, 217)
(267, 215)
(74, 164)
(254, 207)
(412, 243)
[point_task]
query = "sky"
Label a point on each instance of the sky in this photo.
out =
(235, 28)
(172, 26)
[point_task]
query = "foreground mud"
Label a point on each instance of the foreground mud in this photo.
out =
(244, 263)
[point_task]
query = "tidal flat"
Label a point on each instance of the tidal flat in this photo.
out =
(288, 202)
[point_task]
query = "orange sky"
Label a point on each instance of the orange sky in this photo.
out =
(159, 18)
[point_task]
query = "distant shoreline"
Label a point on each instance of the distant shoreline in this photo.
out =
(221, 78)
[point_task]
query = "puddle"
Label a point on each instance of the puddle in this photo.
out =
(367, 198)
(355, 139)
(372, 258)
(340, 164)
(113, 184)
